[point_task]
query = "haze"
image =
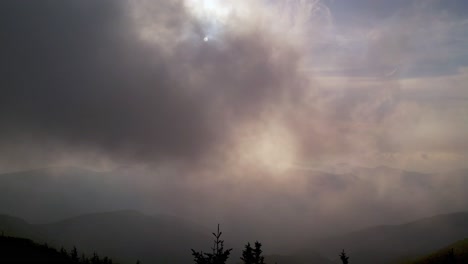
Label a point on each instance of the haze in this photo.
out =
(278, 119)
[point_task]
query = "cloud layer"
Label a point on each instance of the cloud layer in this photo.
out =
(231, 101)
(138, 82)
(133, 81)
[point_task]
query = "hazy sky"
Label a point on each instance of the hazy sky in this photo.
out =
(253, 96)
(276, 84)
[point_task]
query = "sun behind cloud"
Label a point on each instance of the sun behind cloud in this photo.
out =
(268, 147)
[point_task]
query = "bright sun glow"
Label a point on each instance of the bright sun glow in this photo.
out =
(267, 147)
(214, 15)
(214, 10)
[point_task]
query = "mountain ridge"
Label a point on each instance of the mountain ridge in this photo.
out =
(110, 233)
(387, 243)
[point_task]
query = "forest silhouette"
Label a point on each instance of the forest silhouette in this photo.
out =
(22, 250)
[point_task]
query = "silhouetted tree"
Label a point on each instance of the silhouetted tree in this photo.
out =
(259, 259)
(247, 255)
(74, 254)
(63, 252)
(105, 260)
(450, 257)
(84, 259)
(253, 256)
(138, 262)
(95, 259)
(343, 257)
(200, 257)
(218, 255)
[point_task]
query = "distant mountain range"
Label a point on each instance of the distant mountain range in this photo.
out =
(382, 194)
(389, 243)
(297, 259)
(129, 235)
(335, 201)
(455, 253)
(124, 235)
(51, 194)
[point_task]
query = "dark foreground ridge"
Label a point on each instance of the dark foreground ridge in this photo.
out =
(129, 235)
(456, 253)
(22, 250)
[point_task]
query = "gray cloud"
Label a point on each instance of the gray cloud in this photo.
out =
(80, 74)
(135, 83)
(239, 123)
(76, 72)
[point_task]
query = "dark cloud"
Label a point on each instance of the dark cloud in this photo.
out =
(76, 72)
(80, 73)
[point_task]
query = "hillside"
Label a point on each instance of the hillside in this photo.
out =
(456, 253)
(125, 235)
(20, 250)
(386, 244)
(59, 193)
(52, 194)
(379, 195)
(130, 235)
(299, 259)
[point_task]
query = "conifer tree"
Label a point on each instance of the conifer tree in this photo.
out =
(450, 257)
(259, 259)
(218, 255)
(247, 255)
(74, 254)
(343, 257)
(253, 255)
(95, 259)
(63, 252)
(83, 258)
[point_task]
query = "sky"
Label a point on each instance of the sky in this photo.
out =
(207, 91)
(304, 83)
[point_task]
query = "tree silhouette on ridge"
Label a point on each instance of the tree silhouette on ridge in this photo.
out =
(343, 257)
(218, 255)
(253, 255)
